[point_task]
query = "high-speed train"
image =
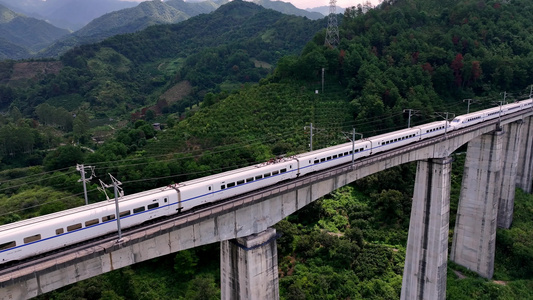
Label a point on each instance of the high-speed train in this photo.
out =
(37, 235)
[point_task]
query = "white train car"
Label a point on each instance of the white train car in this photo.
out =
(527, 104)
(333, 156)
(232, 183)
(45, 233)
(391, 140)
(433, 129)
(471, 118)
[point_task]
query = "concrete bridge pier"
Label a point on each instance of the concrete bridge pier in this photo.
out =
(249, 267)
(511, 151)
(524, 174)
(424, 274)
(474, 239)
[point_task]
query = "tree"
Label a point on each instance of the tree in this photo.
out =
(457, 67)
(150, 115)
(185, 263)
(63, 157)
(202, 287)
(81, 127)
(15, 114)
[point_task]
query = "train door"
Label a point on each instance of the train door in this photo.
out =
(210, 191)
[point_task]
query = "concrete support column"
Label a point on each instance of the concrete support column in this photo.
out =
(249, 267)
(474, 238)
(524, 174)
(511, 150)
(424, 274)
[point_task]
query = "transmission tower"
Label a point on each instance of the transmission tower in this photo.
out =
(332, 33)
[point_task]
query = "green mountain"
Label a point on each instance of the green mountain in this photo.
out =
(25, 32)
(288, 8)
(237, 43)
(9, 50)
(195, 8)
(69, 14)
(128, 20)
(151, 13)
(132, 19)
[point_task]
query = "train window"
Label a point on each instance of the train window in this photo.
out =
(73, 227)
(138, 209)
(209, 188)
(153, 205)
(222, 186)
(91, 222)
(32, 238)
(275, 173)
(258, 177)
(322, 160)
(317, 161)
(231, 184)
(267, 175)
(240, 182)
(250, 179)
(59, 231)
(108, 218)
(283, 170)
(329, 158)
(166, 200)
(8, 245)
(125, 213)
(334, 156)
(345, 153)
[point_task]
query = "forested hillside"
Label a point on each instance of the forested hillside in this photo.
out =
(20, 35)
(124, 21)
(67, 14)
(249, 94)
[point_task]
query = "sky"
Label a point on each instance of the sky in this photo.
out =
(303, 4)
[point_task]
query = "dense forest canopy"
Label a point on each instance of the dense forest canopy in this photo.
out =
(249, 81)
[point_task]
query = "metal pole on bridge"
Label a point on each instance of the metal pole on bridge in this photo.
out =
(353, 143)
(470, 101)
(446, 118)
(411, 112)
(500, 114)
(81, 168)
(311, 128)
(115, 185)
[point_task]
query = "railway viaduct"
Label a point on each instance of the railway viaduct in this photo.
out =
(499, 158)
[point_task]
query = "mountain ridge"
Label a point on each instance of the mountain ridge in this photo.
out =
(123, 21)
(19, 31)
(68, 14)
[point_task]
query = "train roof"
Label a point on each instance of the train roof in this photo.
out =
(272, 163)
(80, 209)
